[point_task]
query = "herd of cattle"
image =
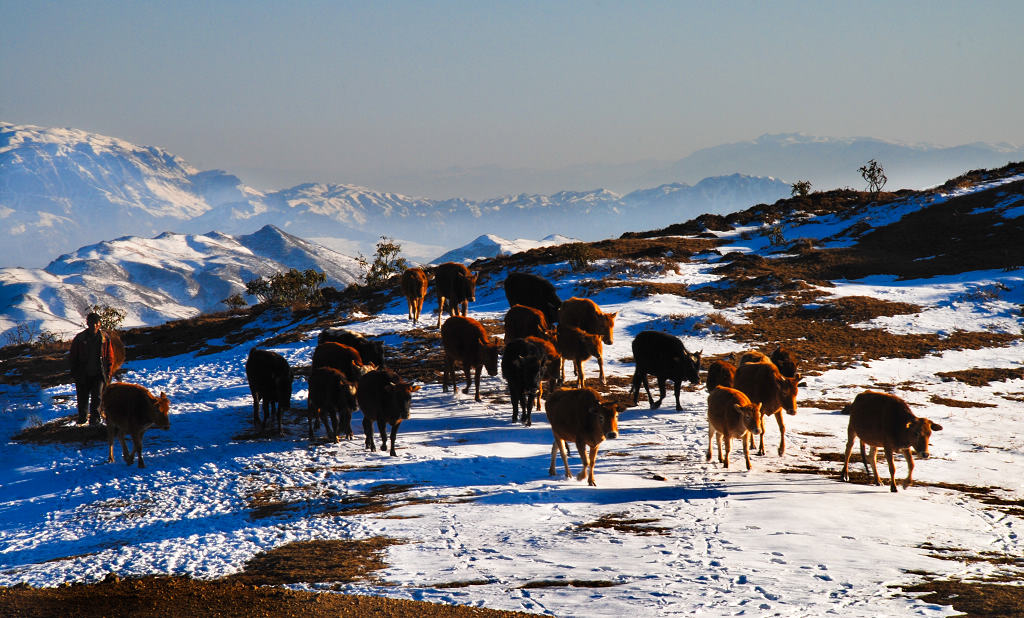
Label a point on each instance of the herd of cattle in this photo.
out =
(350, 372)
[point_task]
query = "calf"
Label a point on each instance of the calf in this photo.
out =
(533, 291)
(522, 365)
(332, 400)
(883, 420)
(522, 322)
(370, 351)
(270, 381)
(732, 415)
(763, 384)
(344, 358)
(576, 345)
(579, 415)
(131, 409)
(720, 373)
(385, 398)
(466, 341)
(665, 357)
(414, 287)
(454, 282)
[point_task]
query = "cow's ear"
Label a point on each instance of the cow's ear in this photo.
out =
(413, 389)
(738, 408)
(163, 395)
(936, 427)
(757, 408)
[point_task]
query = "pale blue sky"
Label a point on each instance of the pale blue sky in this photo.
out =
(358, 92)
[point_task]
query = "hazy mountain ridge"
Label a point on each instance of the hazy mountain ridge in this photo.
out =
(62, 188)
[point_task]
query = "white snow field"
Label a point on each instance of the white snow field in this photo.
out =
(481, 510)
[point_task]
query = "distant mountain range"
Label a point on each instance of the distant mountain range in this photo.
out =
(63, 188)
(157, 279)
(489, 245)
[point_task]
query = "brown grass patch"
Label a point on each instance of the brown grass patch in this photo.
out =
(621, 523)
(272, 500)
(823, 404)
(568, 583)
(316, 562)
(956, 403)
(982, 377)
(972, 598)
(159, 597)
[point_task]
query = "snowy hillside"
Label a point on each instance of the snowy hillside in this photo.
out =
(489, 245)
(157, 279)
(467, 514)
(62, 188)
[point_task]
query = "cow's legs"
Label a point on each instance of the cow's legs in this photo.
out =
(440, 309)
(558, 446)
(850, 437)
(728, 448)
(600, 368)
(129, 458)
(368, 432)
(255, 409)
(476, 379)
(137, 445)
(910, 469)
(760, 448)
(661, 390)
(782, 431)
(873, 456)
(889, 459)
(864, 458)
(746, 449)
(678, 405)
(711, 440)
(382, 426)
(449, 371)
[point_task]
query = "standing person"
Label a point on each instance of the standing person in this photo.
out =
(91, 355)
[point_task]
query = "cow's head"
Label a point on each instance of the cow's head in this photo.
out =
(159, 412)
(608, 326)
(788, 388)
(751, 414)
(920, 431)
(608, 416)
(283, 389)
(399, 397)
(491, 351)
(785, 361)
(469, 286)
(688, 366)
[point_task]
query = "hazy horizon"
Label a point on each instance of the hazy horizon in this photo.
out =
(469, 99)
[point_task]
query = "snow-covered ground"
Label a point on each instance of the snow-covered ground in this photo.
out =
(729, 541)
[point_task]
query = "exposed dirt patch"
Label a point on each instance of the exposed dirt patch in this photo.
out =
(269, 500)
(956, 403)
(967, 556)
(159, 597)
(62, 430)
(622, 523)
(823, 404)
(982, 377)
(316, 562)
(568, 583)
(972, 598)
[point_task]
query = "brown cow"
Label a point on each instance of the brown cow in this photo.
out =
(576, 345)
(466, 341)
(344, 358)
(883, 420)
(763, 384)
(522, 322)
(332, 400)
(579, 415)
(117, 358)
(732, 415)
(454, 282)
(584, 313)
(414, 287)
(720, 373)
(131, 409)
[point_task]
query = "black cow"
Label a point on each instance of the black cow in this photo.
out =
(270, 381)
(454, 282)
(370, 351)
(665, 357)
(533, 291)
(385, 398)
(332, 400)
(521, 366)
